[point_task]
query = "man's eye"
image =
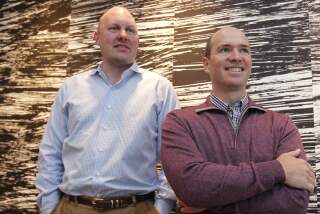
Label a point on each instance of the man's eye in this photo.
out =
(131, 30)
(244, 50)
(225, 50)
(113, 28)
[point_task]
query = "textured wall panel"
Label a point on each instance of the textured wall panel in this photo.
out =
(33, 56)
(43, 42)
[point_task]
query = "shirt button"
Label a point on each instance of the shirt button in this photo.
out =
(108, 107)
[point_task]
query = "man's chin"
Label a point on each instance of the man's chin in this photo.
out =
(123, 63)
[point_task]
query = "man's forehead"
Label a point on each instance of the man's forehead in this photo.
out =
(230, 38)
(118, 18)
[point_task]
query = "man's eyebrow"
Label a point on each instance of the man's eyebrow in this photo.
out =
(230, 45)
(244, 45)
(223, 45)
(127, 26)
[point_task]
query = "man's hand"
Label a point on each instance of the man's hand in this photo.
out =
(183, 208)
(298, 172)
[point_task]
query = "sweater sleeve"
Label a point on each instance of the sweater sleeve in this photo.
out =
(281, 198)
(205, 184)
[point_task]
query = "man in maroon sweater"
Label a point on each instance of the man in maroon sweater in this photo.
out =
(230, 155)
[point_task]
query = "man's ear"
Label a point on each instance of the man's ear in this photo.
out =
(205, 62)
(96, 37)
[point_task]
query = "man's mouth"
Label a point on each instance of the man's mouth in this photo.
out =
(234, 69)
(121, 46)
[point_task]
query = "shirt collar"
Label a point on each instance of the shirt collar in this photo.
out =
(134, 67)
(208, 106)
(225, 106)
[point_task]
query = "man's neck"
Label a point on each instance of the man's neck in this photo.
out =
(230, 97)
(114, 73)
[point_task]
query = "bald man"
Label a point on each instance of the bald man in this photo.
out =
(101, 145)
(230, 155)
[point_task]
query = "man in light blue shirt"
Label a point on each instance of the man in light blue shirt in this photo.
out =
(101, 145)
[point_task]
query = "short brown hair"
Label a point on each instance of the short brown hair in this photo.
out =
(209, 43)
(208, 47)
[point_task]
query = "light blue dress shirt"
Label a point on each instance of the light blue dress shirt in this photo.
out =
(103, 139)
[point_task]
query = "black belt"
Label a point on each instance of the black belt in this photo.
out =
(103, 203)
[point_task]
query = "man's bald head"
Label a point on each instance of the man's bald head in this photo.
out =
(224, 30)
(116, 9)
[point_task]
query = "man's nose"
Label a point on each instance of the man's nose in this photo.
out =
(123, 34)
(235, 55)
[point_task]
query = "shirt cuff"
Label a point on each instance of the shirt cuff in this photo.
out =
(164, 206)
(48, 203)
